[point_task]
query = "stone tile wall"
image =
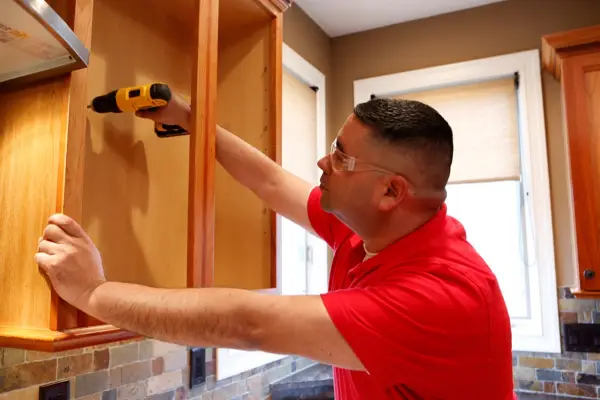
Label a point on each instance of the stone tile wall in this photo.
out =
(146, 369)
(150, 369)
(576, 374)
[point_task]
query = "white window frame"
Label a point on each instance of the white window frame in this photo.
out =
(540, 333)
(230, 362)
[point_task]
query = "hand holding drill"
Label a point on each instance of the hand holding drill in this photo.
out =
(154, 101)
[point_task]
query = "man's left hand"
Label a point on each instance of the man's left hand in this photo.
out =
(70, 260)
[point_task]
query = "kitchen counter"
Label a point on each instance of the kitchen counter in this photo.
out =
(316, 383)
(543, 396)
(312, 383)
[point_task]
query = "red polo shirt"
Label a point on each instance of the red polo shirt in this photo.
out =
(425, 316)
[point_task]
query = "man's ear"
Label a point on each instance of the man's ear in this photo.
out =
(395, 192)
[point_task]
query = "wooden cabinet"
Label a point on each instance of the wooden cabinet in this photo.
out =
(574, 58)
(162, 211)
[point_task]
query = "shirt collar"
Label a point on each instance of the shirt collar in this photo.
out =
(414, 241)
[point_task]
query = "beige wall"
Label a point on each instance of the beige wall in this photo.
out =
(500, 28)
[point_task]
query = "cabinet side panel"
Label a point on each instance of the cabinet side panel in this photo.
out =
(581, 84)
(136, 184)
(243, 233)
(33, 123)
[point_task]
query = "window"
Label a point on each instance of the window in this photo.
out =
(485, 191)
(301, 257)
(299, 156)
(499, 186)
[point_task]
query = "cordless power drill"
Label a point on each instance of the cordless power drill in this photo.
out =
(147, 97)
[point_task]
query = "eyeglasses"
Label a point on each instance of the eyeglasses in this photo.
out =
(341, 161)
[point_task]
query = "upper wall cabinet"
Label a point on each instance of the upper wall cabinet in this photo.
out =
(161, 210)
(573, 58)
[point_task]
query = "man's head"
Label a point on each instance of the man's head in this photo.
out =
(390, 160)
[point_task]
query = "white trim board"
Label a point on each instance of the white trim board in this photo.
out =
(230, 362)
(306, 72)
(541, 332)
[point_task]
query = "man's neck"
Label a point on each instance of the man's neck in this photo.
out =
(393, 231)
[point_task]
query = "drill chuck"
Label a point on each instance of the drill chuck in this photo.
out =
(106, 103)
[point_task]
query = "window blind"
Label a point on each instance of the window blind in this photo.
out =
(299, 122)
(483, 117)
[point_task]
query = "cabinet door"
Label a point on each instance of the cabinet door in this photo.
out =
(40, 161)
(581, 86)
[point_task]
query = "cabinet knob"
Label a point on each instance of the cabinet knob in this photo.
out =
(589, 274)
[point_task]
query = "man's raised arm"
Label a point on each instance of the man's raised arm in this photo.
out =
(282, 191)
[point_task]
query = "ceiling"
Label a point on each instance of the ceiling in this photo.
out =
(341, 17)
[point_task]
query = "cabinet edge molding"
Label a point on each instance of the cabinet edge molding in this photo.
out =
(47, 340)
(556, 46)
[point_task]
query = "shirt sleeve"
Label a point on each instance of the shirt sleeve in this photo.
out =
(325, 224)
(415, 331)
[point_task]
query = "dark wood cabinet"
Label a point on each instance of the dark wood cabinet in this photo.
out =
(573, 58)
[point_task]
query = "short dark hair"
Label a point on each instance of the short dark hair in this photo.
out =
(414, 126)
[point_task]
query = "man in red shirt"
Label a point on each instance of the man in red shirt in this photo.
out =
(412, 310)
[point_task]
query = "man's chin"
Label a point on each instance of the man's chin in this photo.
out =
(325, 205)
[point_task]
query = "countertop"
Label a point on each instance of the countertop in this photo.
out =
(316, 383)
(542, 396)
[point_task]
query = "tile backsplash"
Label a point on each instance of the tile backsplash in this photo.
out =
(150, 369)
(146, 369)
(567, 373)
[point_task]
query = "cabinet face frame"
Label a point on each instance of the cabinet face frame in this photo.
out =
(201, 206)
(70, 195)
(567, 56)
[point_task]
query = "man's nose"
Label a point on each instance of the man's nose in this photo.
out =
(324, 164)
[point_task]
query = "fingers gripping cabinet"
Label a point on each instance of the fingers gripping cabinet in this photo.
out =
(162, 212)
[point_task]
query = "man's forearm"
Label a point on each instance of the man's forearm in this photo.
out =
(194, 317)
(245, 163)
(282, 191)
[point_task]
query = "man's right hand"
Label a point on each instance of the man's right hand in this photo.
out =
(177, 112)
